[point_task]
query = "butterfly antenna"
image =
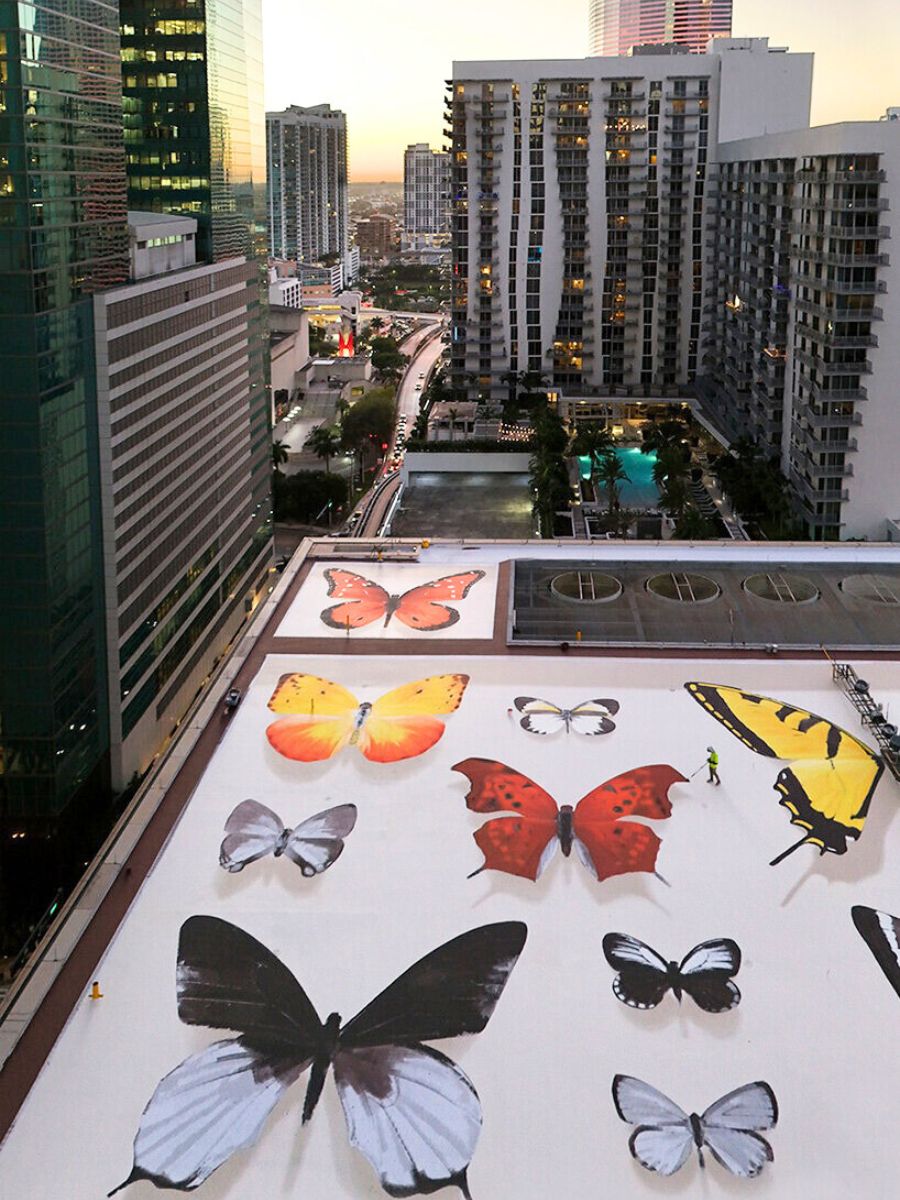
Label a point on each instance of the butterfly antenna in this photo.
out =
(661, 879)
(790, 850)
(474, 873)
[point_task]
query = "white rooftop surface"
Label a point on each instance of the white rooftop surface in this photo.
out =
(817, 1020)
(724, 552)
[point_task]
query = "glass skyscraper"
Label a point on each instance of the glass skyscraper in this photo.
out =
(63, 236)
(194, 116)
(618, 25)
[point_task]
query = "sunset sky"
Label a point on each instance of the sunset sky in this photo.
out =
(384, 64)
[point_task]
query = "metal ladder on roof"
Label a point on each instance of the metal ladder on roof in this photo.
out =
(871, 713)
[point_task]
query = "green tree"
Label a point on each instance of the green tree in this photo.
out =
(370, 422)
(659, 435)
(307, 496)
(376, 323)
(453, 416)
(387, 358)
(324, 443)
(612, 474)
(320, 345)
(279, 454)
(693, 526)
(549, 472)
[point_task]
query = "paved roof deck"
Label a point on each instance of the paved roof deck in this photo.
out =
(459, 504)
(835, 618)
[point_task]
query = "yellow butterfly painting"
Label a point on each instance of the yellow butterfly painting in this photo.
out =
(319, 718)
(829, 785)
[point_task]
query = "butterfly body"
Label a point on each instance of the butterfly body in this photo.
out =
(565, 828)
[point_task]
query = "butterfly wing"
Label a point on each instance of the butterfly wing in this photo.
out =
(217, 1101)
(541, 716)
(212, 1105)
(663, 1138)
(829, 786)
(361, 601)
(608, 842)
(318, 842)
(413, 1114)
(881, 933)
(522, 843)
(251, 832)
(705, 974)
(226, 979)
(403, 723)
(643, 979)
(320, 717)
(593, 717)
(425, 607)
(730, 1129)
(451, 991)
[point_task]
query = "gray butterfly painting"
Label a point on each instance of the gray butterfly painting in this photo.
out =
(410, 1110)
(253, 831)
(729, 1129)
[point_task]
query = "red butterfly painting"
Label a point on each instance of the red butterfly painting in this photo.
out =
(599, 827)
(363, 601)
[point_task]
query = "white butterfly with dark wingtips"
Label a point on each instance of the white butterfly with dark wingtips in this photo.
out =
(730, 1128)
(590, 717)
(253, 831)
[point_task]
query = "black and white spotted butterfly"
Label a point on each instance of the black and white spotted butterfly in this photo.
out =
(591, 717)
(665, 1133)
(253, 831)
(409, 1109)
(704, 973)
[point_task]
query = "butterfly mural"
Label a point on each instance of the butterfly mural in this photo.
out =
(829, 785)
(426, 607)
(599, 828)
(409, 1109)
(704, 973)
(881, 933)
(730, 1128)
(590, 717)
(252, 831)
(317, 718)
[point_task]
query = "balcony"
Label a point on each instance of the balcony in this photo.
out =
(813, 496)
(828, 421)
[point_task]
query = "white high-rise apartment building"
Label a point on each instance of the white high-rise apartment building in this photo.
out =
(802, 323)
(306, 184)
(581, 210)
(426, 194)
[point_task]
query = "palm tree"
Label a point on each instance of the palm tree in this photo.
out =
(453, 414)
(324, 443)
(280, 454)
(611, 473)
(377, 323)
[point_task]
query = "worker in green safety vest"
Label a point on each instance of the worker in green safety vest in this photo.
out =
(713, 763)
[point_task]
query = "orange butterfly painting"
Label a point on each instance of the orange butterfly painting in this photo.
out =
(363, 601)
(317, 718)
(599, 828)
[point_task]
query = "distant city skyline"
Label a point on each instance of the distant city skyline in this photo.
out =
(394, 96)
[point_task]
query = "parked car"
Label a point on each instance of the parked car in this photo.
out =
(232, 700)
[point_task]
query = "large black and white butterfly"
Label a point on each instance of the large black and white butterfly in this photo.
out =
(704, 973)
(881, 933)
(665, 1133)
(591, 717)
(409, 1109)
(253, 831)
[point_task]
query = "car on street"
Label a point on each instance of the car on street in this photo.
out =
(232, 700)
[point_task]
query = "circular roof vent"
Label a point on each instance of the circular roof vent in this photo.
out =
(684, 587)
(877, 589)
(781, 589)
(586, 587)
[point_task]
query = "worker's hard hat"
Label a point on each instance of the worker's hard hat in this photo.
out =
(710, 750)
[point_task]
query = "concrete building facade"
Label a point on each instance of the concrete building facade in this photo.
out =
(802, 323)
(617, 26)
(186, 540)
(307, 195)
(375, 237)
(426, 194)
(581, 210)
